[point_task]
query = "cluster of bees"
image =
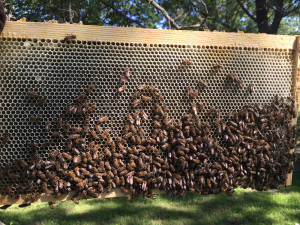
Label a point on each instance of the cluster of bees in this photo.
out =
(177, 157)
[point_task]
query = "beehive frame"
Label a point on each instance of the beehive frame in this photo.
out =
(167, 45)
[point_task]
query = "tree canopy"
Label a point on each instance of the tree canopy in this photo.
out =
(264, 16)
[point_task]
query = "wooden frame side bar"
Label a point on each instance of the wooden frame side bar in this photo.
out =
(53, 30)
(295, 92)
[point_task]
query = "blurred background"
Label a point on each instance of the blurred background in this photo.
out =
(253, 16)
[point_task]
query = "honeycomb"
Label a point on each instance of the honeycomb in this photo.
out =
(60, 71)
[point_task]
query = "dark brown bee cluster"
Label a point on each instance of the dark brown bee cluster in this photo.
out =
(176, 157)
(259, 139)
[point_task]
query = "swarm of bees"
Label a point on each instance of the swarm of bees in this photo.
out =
(177, 157)
(145, 94)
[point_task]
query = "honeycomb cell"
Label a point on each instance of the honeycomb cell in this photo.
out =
(67, 69)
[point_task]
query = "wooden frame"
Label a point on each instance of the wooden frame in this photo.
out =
(295, 90)
(136, 35)
(22, 29)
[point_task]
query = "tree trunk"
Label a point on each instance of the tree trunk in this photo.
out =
(262, 10)
(277, 18)
(70, 12)
(262, 16)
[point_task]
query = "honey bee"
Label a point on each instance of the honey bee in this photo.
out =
(128, 135)
(59, 122)
(159, 96)
(86, 129)
(136, 102)
(107, 152)
(94, 134)
(69, 37)
(95, 148)
(122, 88)
(232, 77)
(156, 124)
(130, 118)
(76, 159)
(33, 94)
(73, 109)
(13, 176)
(90, 88)
(109, 140)
(218, 66)
(90, 145)
(68, 109)
(51, 205)
(194, 109)
(126, 129)
(23, 163)
(75, 151)
(113, 147)
(137, 118)
(5, 138)
(250, 89)
(47, 125)
(187, 62)
(142, 87)
(192, 94)
(214, 112)
(80, 142)
(67, 156)
(32, 145)
(74, 136)
(80, 98)
(53, 154)
(35, 119)
(92, 108)
(107, 165)
(144, 115)
(76, 129)
(105, 133)
(86, 103)
(203, 83)
(85, 172)
(146, 98)
(42, 101)
(80, 110)
(103, 119)
(240, 83)
(87, 119)
(123, 79)
(127, 73)
(153, 89)
(136, 95)
(66, 128)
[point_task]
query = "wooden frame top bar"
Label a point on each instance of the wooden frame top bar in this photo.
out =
(53, 30)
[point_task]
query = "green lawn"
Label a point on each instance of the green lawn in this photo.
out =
(244, 207)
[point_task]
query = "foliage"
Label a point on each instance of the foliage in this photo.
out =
(97, 12)
(228, 15)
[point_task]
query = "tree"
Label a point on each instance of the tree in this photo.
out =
(264, 16)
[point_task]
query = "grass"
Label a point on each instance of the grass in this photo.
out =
(244, 207)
